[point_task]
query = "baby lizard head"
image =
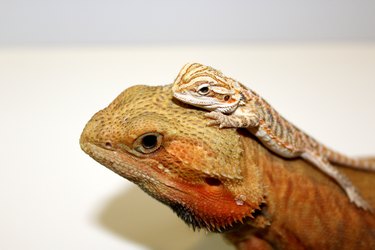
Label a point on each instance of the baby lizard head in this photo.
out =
(170, 153)
(207, 88)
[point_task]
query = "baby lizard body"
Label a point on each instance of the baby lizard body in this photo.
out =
(232, 105)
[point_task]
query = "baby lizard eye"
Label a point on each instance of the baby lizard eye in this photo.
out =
(148, 143)
(203, 89)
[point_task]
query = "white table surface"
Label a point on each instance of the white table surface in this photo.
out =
(53, 196)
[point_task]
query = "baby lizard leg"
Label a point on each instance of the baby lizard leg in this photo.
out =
(341, 179)
(232, 120)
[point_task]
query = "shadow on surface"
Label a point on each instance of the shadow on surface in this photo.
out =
(136, 217)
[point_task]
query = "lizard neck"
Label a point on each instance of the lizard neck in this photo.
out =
(254, 176)
(295, 196)
(249, 94)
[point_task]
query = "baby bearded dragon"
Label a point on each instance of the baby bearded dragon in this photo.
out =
(233, 105)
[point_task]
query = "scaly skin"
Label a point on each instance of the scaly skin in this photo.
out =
(232, 105)
(224, 180)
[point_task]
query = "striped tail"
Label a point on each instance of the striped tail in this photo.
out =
(357, 163)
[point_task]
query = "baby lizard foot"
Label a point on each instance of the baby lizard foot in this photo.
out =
(232, 120)
(224, 121)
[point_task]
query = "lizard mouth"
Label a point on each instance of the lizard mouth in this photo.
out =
(201, 101)
(150, 180)
(114, 161)
(205, 102)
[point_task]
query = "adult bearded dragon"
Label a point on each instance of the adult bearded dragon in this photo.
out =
(233, 105)
(224, 180)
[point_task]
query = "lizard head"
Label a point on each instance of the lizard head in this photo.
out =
(207, 88)
(169, 152)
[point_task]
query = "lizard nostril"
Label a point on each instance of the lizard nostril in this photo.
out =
(108, 145)
(212, 181)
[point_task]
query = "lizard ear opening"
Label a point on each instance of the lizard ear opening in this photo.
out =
(212, 181)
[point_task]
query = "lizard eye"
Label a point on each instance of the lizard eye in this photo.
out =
(203, 89)
(148, 143)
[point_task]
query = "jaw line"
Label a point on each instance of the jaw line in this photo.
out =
(112, 160)
(205, 104)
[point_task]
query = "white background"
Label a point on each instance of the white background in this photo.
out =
(167, 21)
(53, 196)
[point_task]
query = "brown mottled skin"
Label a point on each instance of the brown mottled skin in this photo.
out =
(225, 180)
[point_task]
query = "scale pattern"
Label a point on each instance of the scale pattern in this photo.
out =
(222, 180)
